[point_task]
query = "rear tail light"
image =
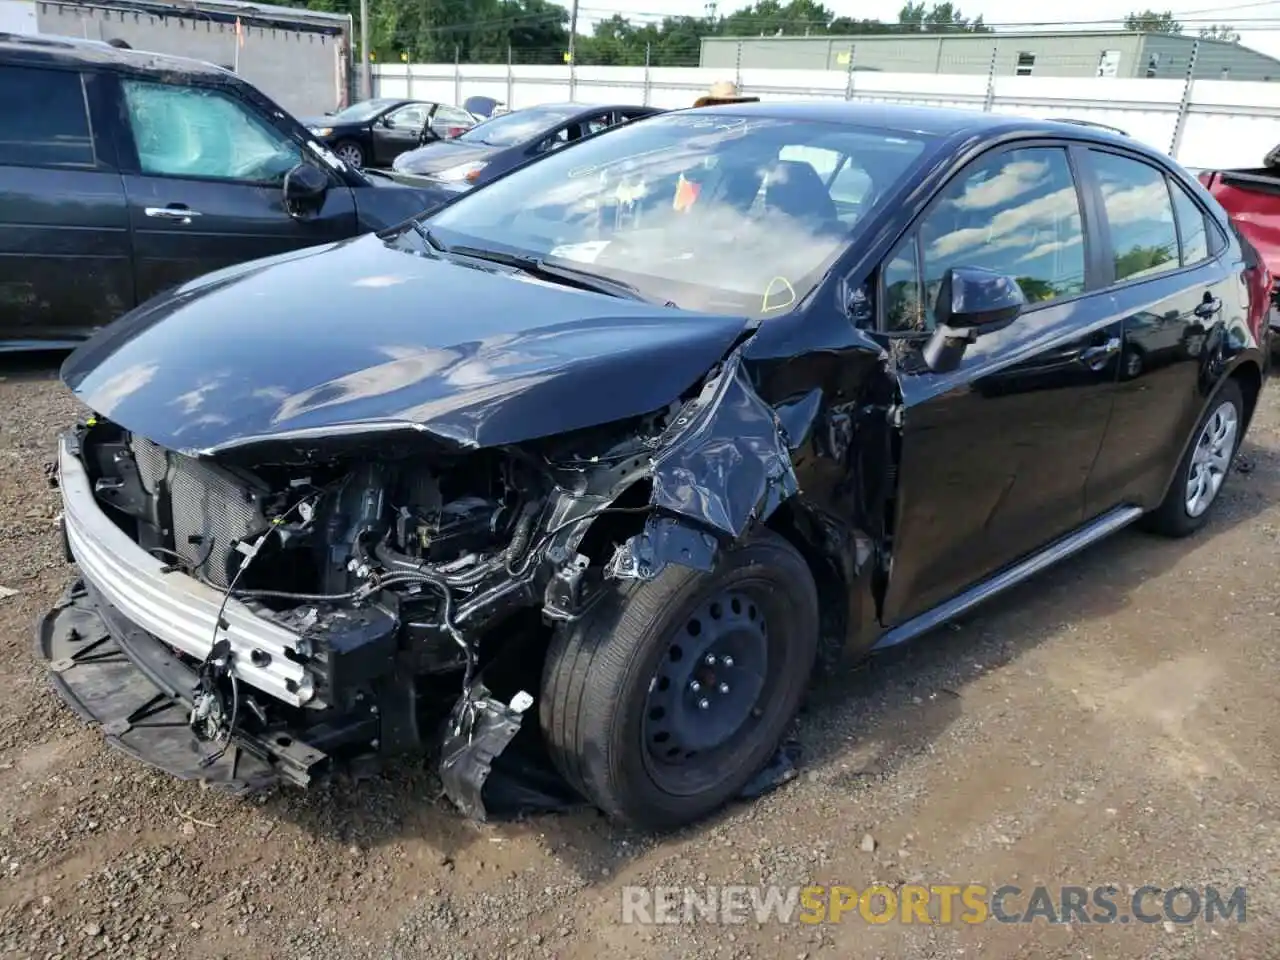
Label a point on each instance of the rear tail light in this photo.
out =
(451, 132)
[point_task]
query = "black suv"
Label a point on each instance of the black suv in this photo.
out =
(125, 173)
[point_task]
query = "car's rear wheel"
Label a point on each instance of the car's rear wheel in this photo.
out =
(349, 152)
(670, 694)
(1204, 466)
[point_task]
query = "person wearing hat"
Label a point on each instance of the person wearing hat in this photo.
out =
(721, 92)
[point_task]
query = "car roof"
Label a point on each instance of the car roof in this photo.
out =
(931, 122)
(577, 107)
(74, 52)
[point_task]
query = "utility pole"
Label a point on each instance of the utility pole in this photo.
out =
(366, 74)
(573, 30)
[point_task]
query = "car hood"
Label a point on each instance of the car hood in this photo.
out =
(441, 155)
(350, 342)
(388, 202)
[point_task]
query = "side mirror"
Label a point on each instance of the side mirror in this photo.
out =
(971, 302)
(304, 189)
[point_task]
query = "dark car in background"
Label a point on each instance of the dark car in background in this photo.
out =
(500, 143)
(123, 174)
(616, 451)
(374, 132)
(483, 107)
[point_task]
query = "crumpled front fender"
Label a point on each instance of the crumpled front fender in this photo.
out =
(724, 466)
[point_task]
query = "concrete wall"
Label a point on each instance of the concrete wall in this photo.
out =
(301, 70)
(1055, 55)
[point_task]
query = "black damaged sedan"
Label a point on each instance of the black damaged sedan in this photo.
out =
(630, 444)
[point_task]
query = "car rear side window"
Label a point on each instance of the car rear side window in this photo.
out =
(44, 119)
(1193, 226)
(452, 115)
(1139, 213)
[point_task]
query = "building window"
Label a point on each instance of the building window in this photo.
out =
(1026, 63)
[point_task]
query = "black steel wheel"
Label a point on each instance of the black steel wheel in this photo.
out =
(669, 695)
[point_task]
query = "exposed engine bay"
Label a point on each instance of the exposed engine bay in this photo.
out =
(395, 573)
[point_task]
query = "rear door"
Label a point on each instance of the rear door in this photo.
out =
(1174, 291)
(996, 455)
(204, 171)
(448, 122)
(64, 227)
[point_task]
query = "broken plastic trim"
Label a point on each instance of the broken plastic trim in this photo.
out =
(490, 774)
(727, 468)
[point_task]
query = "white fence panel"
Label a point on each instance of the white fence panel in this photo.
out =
(921, 89)
(1231, 123)
(1145, 109)
(1225, 123)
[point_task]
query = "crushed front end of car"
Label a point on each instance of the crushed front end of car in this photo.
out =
(262, 614)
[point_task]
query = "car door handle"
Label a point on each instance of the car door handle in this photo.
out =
(1095, 357)
(178, 214)
(1208, 308)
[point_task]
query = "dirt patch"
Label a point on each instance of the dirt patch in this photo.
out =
(1112, 722)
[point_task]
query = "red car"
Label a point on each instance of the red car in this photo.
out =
(1252, 198)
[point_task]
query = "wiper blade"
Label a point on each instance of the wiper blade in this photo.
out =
(422, 230)
(585, 279)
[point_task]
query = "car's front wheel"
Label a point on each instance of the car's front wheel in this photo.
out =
(349, 152)
(669, 695)
(1204, 466)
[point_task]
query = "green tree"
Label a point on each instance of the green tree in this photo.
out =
(769, 18)
(1218, 31)
(1139, 259)
(940, 18)
(1148, 21)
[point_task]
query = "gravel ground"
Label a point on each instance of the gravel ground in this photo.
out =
(1112, 722)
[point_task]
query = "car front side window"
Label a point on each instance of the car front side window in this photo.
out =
(1139, 213)
(197, 132)
(412, 117)
(595, 124)
(1016, 213)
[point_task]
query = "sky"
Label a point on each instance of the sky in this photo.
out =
(1258, 22)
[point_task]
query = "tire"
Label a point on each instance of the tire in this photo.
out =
(1131, 363)
(350, 153)
(605, 683)
(1175, 517)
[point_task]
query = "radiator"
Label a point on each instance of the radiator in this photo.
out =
(211, 508)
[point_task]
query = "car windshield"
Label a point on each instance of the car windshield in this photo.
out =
(510, 129)
(713, 212)
(359, 112)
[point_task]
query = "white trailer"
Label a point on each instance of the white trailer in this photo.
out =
(299, 58)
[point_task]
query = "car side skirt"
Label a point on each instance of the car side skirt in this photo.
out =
(1072, 543)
